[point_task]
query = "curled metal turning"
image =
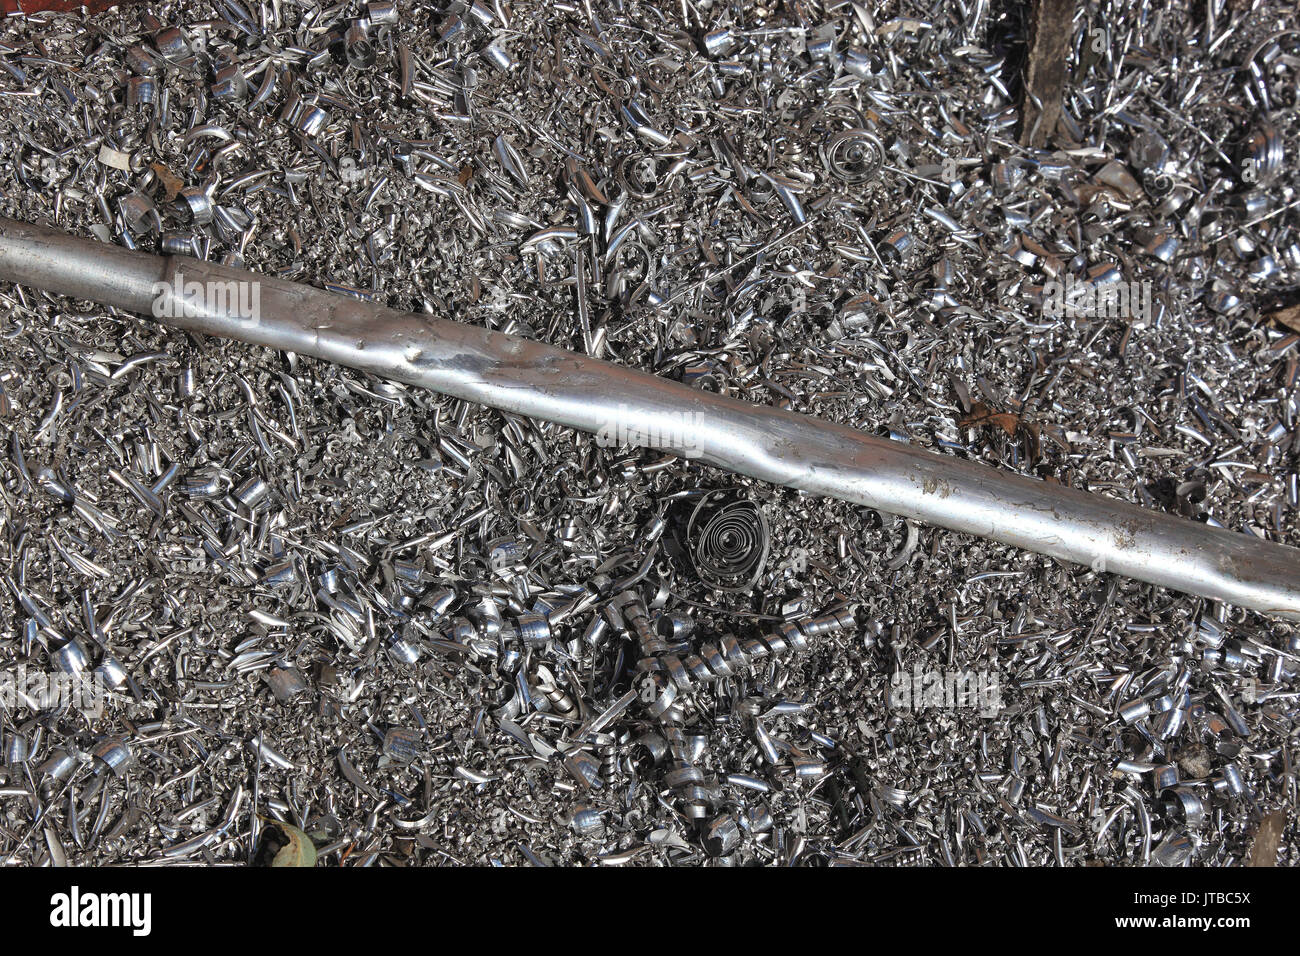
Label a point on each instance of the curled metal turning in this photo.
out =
(669, 670)
(670, 667)
(1265, 152)
(731, 656)
(854, 155)
(729, 543)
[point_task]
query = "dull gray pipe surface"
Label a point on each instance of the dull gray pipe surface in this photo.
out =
(539, 381)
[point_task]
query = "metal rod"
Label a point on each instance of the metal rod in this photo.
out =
(539, 381)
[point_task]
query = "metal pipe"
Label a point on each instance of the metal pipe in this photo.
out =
(535, 380)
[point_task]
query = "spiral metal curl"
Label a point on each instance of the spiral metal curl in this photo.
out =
(730, 655)
(729, 544)
(668, 671)
(854, 155)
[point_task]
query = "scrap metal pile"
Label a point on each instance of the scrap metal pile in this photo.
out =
(425, 632)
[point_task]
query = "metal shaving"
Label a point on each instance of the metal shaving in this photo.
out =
(424, 632)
